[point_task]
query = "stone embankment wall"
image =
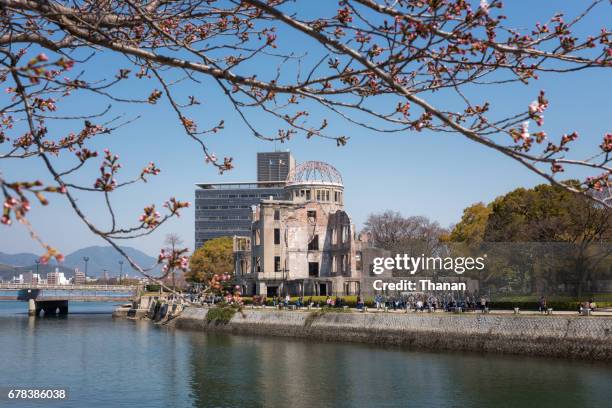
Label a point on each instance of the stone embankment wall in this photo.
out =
(553, 336)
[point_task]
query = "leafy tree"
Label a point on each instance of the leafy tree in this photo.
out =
(215, 257)
(471, 228)
(466, 239)
(573, 228)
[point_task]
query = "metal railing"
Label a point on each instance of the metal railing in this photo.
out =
(93, 288)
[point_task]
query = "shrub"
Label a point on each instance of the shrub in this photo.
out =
(534, 305)
(152, 287)
(531, 302)
(220, 314)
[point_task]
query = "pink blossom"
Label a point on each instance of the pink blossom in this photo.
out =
(525, 130)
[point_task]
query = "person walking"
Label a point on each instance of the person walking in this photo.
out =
(378, 300)
(542, 304)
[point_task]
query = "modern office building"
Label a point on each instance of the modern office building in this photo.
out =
(225, 209)
(274, 166)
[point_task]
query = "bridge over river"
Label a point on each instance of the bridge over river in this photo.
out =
(53, 299)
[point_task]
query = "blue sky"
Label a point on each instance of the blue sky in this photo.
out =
(436, 175)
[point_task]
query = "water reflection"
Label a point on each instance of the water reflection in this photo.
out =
(247, 371)
(118, 363)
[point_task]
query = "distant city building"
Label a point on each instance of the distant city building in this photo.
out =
(52, 278)
(225, 209)
(27, 277)
(17, 279)
(274, 166)
(57, 278)
(79, 277)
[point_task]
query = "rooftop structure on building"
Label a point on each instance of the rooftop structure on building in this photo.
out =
(274, 166)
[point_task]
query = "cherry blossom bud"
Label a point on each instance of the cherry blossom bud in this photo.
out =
(484, 6)
(525, 130)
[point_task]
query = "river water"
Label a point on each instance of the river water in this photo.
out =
(116, 363)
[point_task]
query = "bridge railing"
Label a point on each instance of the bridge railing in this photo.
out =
(118, 288)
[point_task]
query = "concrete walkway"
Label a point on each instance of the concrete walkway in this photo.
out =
(602, 312)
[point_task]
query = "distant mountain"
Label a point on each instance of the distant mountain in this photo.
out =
(23, 259)
(107, 258)
(100, 259)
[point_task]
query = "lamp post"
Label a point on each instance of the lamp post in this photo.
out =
(86, 259)
(37, 262)
(120, 270)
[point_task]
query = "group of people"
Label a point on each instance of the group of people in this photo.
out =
(423, 301)
(588, 305)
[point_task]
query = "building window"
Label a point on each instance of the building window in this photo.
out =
(313, 245)
(345, 233)
(334, 264)
(277, 265)
(343, 266)
(308, 195)
(313, 269)
(318, 195)
(371, 270)
(242, 267)
(257, 263)
(276, 236)
(311, 214)
(358, 263)
(257, 237)
(276, 215)
(326, 195)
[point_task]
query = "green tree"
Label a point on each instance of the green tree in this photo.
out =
(574, 228)
(466, 240)
(215, 257)
(471, 228)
